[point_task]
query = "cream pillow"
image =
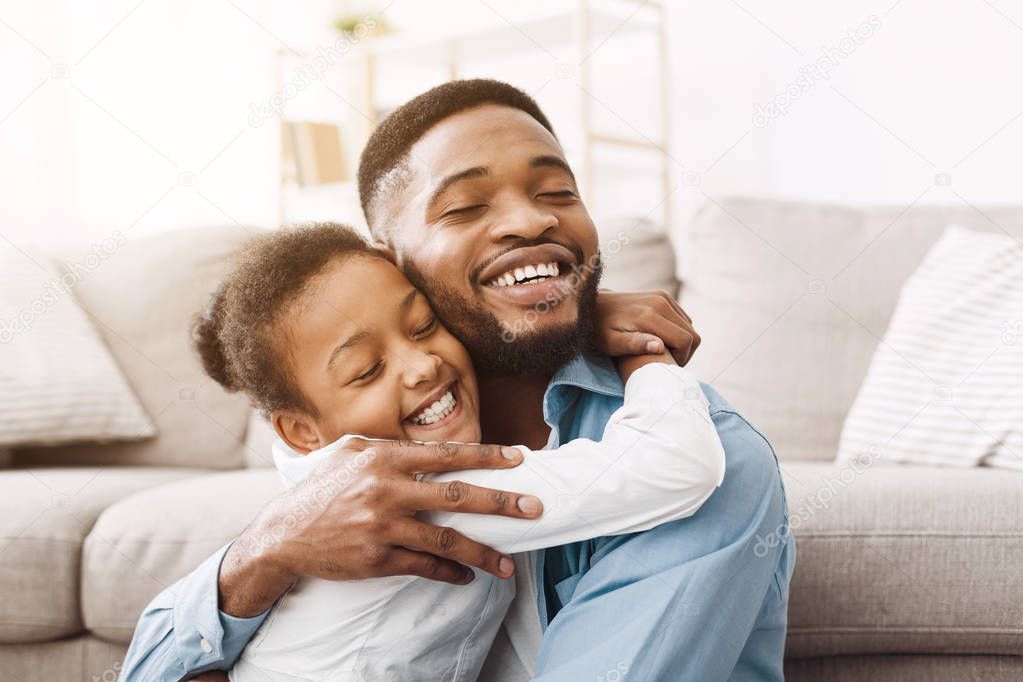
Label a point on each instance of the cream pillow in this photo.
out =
(58, 382)
(945, 386)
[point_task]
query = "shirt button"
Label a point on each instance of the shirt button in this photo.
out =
(205, 645)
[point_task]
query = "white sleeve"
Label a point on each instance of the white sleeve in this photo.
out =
(659, 460)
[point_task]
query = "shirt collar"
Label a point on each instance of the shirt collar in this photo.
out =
(584, 372)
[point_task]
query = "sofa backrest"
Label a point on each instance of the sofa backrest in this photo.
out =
(792, 298)
(141, 299)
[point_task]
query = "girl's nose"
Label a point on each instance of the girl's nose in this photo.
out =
(420, 367)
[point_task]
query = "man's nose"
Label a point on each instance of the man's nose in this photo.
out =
(420, 367)
(522, 219)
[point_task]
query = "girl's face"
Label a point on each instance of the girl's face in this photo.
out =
(368, 353)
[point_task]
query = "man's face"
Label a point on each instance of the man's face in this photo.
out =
(492, 228)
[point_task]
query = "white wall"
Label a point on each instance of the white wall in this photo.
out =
(137, 114)
(932, 83)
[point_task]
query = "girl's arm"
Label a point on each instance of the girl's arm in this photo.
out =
(659, 460)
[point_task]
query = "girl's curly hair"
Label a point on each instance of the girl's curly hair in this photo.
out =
(237, 334)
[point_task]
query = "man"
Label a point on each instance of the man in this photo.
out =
(466, 185)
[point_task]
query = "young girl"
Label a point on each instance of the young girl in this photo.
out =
(330, 340)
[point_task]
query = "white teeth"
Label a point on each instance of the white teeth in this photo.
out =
(437, 411)
(530, 272)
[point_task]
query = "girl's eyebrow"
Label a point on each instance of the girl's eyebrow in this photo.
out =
(406, 302)
(352, 340)
(359, 337)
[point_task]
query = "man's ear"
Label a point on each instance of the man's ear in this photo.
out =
(297, 430)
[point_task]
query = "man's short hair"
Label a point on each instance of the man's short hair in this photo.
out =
(383, 166)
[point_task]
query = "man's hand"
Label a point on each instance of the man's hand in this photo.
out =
(355, 518)
(644, 323)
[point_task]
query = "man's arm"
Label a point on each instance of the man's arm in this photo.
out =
(181, 632)
(354, 518)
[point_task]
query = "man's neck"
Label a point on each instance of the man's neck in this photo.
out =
(512, 410)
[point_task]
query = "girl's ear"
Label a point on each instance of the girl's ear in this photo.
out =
(297, 430)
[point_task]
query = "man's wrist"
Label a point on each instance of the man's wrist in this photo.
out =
(252, 577)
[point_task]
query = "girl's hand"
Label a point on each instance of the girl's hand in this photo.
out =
(642, 323)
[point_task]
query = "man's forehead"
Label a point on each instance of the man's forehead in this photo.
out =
(478, 137)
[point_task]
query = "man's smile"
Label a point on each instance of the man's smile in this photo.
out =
(529, 275)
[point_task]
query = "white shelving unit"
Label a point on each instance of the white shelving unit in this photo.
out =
(581, 22)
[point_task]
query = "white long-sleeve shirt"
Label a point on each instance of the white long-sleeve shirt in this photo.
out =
(659, 460)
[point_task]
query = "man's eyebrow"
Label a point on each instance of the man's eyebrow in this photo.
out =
(550, 161)
(352, 340)
(447, 182)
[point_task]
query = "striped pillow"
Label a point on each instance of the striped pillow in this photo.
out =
(58, 382)
(945, 386)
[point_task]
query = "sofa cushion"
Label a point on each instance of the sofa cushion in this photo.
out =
(147, 541)
(945, 387)
(637, 256)
(84, 658)
(791, 299)
(901, 559)
(58, 382)
(46, 515)
(905, 668)
(141, 301)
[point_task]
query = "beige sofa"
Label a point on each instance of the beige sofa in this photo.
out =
(903, 574)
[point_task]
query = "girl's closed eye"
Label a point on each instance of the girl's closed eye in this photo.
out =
(370, 373)
(426, 329)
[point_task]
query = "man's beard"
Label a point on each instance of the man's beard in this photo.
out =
(497, 350)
